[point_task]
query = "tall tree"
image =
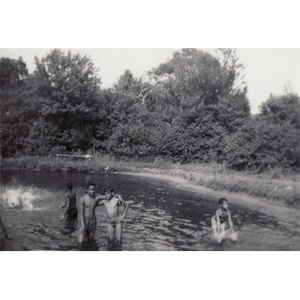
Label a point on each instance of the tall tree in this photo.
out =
(14, 126)
(13, 73)
(129, 118)
(69, 92)
(206, 103)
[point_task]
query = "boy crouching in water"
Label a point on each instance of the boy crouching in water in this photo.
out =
(112, 204)
(219, 221)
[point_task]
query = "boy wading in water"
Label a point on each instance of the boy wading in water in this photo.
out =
(114, 219)
(70, 202)
(220, 220)
(88, 221)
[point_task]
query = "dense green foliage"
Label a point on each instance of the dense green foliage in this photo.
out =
(192, 108)
(271, 139)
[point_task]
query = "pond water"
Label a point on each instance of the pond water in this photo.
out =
(162, 218)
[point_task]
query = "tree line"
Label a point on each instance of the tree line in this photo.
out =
(192, 108)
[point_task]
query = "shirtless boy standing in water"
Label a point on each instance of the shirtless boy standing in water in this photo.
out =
(88, 204)
(219, 220)
(70, 202)
(114, 218)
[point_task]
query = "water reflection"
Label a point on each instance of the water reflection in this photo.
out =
(90, 245)
(162, 218)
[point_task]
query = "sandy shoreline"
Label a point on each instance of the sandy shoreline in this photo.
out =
(291, 216)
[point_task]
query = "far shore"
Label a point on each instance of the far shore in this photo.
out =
(275, 209)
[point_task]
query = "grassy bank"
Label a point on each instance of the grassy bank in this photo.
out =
(274, 184)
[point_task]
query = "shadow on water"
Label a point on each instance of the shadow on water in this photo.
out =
(94, 245)
(114, 246)
(162, 218)
(69, 227)
(89, 246)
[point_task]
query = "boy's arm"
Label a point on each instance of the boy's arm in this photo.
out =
(99, 200)
(126, 204)
(230, 221)
(122, 217)
(121, 201)
(218, 221)
(82, 208)
(66, 201)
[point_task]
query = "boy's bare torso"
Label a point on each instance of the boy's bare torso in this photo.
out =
(89, 204)
(112, 208)
(222, 214)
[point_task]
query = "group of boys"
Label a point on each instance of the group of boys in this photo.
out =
(112, 203)
(87, 211)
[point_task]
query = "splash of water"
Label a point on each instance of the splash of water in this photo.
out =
(22, 198)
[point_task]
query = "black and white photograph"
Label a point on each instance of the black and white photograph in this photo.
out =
(150, 149)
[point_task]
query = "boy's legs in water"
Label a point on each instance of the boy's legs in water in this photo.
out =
(71, 214)
(114, 230)
(87, 233)
(92, 230)
(111, 233)
(218, 236)
(82, 235)
(118, 230)
(232, 236)
(222, 234)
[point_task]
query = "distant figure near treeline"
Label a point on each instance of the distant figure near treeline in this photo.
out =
(70, 202)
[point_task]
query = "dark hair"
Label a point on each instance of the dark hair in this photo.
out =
(69, 186)
(108, 189)
(222, 200)
(90, 183)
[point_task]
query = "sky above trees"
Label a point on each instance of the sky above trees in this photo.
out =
(267, 70)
